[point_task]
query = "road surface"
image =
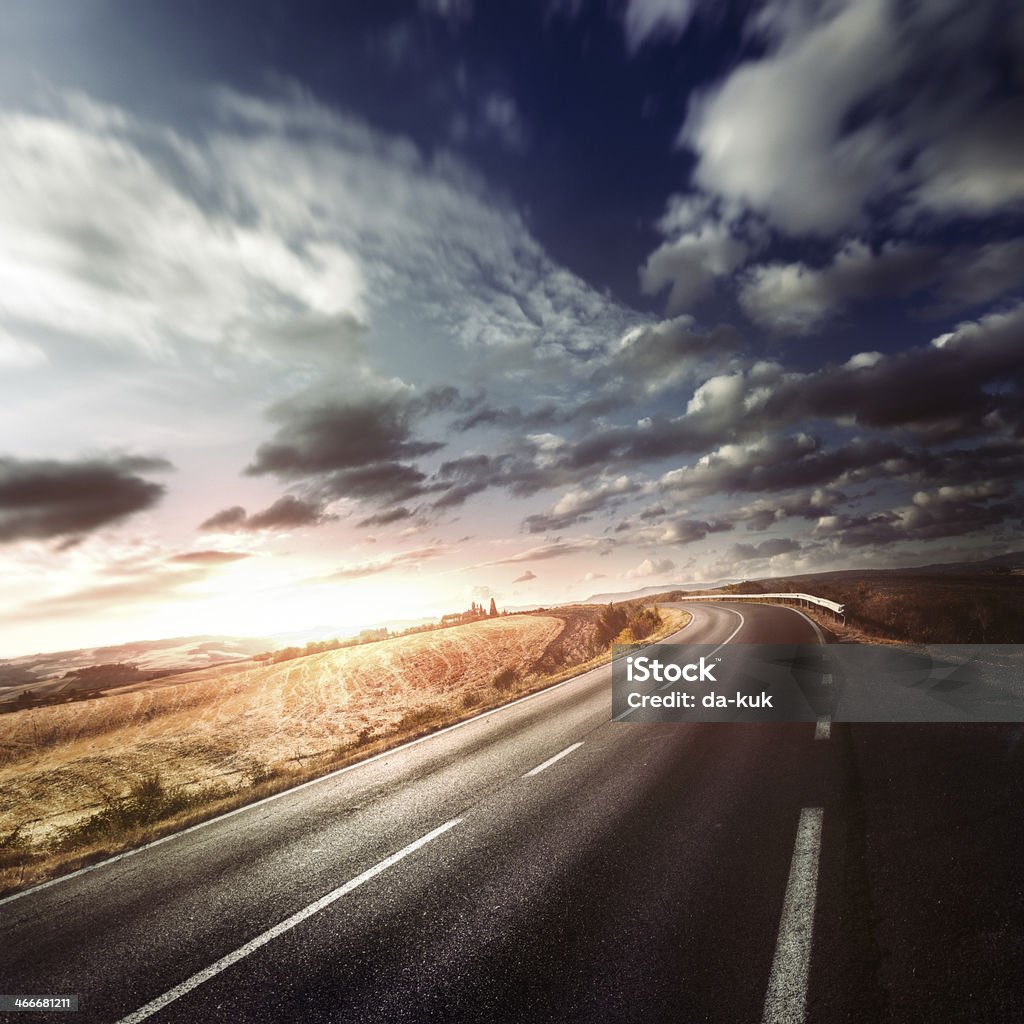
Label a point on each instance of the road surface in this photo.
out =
(544, 863)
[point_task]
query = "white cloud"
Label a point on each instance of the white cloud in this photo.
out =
(978, 168)
(704, 242)
(647, 19)
(100, 242)
(769, 135)
(274, 231)
(651, 567)
(809, 134)
(19, 354)
(796, 298)
(455, 12)
(500, 116)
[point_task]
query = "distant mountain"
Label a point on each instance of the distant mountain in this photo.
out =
(635, 595)
(174, 654)
(1000, 563)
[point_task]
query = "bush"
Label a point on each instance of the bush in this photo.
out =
(505, 680)
(147, 802)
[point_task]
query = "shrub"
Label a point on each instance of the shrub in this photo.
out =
(505, 680)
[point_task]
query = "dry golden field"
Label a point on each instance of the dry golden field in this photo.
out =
(236, 722)
(87, 779)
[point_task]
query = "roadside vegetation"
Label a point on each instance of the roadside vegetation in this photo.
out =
(925, 606)
(84, 781)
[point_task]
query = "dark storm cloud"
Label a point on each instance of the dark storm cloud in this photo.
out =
(287, 513)
(522, 472)
(969, 381)
(777, 463)
(332, 435)
(763, 549)
(382, 481)
(766, 512)
(543, 417)
(953, 387)
(933, 516)
(689, 531)
(46, 498)
(359, 447)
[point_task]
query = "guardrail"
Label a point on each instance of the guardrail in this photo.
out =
(839, 610)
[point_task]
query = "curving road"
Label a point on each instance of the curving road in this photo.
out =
(542, 863)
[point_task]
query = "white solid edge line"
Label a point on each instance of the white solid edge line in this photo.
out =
(823, 729)
(629, 711)
(786, 999)
(817, 628)
(303, 785)
(279, 929)
(551, 760)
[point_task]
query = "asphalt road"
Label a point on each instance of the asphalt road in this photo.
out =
(715, 872)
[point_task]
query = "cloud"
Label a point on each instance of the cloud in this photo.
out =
(927, 521)
(227, 519)
(126, 593)
(321, 436)
(389, 516)
(766, 512)
(968, 381)
(706, 239)
(814, 130)
(663, 355)
(651, 567)
(455, 12)
(770, 135)
(526, 577)
(402, 559)
(977, 169)
(41, 499)
(104, 241)
(18, 353)
(645, 20)
(764, 549)
(793, 297)
(210, 557)
(943, 389)
(689, 531)
(544, 552)
(774, 463)
(287, 513)
(259, 237)
(580, 504)
(352, 447)
(499, 116)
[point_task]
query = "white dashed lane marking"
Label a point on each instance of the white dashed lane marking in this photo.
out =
(551, 760)
(786, 1001)
(286, 925)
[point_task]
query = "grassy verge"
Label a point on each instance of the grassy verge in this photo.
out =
(152, 808)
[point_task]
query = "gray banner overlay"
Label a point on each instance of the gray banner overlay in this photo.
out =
(807, 682)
